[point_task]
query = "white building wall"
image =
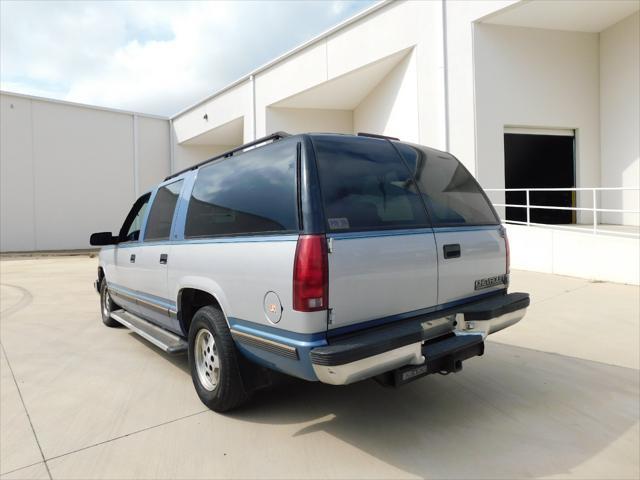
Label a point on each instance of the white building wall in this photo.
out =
(17, 207)
(392, 107)
(187, 155)
(529, 77)
(154, 156)
(460, 78)
(576, 254)
(69, 170)
(300, 120)
(232, 103)
(620, 117)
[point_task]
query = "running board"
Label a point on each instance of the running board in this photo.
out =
(161, 338)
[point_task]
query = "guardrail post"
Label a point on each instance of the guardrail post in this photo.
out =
(595, 212)
(528, 211)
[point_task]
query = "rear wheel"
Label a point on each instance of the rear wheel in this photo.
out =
(107, 305)
(213, 361)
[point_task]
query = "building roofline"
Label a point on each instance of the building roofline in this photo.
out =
(82, 105)
(364, 13)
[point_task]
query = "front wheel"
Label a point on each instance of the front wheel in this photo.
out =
(107, 305)
(213, 361)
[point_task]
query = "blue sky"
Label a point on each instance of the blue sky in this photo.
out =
(152, 57)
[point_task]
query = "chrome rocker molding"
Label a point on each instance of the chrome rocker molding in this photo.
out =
(409, 354)
(265, 344)
(139, 301)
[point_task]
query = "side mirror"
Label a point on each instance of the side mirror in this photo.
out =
(102, 238)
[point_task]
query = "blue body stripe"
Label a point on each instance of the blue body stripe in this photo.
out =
(161, 302)
(379, 233)
(464, 228)
(287, 337)
(288, 237)
(303, 343)
(414, 313)
(293, 237)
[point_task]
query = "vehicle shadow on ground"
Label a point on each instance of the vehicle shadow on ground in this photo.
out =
(179, 361)
(516, 412)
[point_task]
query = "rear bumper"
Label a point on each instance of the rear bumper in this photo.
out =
(431, 343)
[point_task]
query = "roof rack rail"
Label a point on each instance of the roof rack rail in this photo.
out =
(375, 135)
(273, 137)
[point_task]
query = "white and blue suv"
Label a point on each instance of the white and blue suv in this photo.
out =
(326, 257)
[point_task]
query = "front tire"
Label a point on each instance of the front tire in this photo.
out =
(107, 305)
(213, 361)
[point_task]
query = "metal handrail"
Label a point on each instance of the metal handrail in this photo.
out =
(594, 208)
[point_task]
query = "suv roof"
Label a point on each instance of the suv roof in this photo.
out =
(260, 142)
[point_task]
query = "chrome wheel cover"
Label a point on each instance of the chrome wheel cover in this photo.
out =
(207, 360)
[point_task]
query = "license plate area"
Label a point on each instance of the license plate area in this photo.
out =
(441, 356)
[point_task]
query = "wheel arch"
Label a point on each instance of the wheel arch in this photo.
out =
(190, 299)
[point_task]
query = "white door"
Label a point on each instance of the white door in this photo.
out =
(154, 255)
(122, 282)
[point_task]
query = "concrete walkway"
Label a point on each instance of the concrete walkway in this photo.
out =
(556, 396)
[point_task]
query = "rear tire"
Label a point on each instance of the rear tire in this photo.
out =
(213, 361)
(107, 305)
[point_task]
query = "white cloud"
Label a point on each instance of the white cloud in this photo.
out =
(154, 57)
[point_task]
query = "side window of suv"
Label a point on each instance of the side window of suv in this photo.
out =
(130, 231)
(254, 192)
(161, 214)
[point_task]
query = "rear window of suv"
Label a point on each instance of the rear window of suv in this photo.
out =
(451, 194)
(365, 185)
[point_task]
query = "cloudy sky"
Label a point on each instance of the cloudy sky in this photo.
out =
(147, 56)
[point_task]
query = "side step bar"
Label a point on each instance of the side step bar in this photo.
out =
(161, 338)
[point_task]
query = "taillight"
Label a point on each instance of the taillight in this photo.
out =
(310, 274)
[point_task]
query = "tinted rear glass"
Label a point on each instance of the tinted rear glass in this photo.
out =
(254, 192)
(451, 194)
(365, 185)
(161, 214)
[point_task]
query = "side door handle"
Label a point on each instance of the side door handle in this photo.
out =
(163, 258)
(451, 250)
(132, 258)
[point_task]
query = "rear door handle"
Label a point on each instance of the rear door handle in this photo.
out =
(452, 250)
(163, 258)
(132, 258)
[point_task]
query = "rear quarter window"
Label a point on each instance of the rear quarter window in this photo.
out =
(453, 197)
(365, 185)
(161, 213)
(254, 192)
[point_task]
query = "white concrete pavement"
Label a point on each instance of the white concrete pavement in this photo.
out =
(556, 396)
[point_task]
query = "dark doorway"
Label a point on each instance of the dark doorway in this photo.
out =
(539, 161)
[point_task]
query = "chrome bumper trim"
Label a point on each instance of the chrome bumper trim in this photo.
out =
(488, 327)
(409, 354)
(370, 366)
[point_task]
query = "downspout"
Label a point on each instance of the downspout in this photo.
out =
(445, 71)
(135, 157)
(172, 161)
(253, 106)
